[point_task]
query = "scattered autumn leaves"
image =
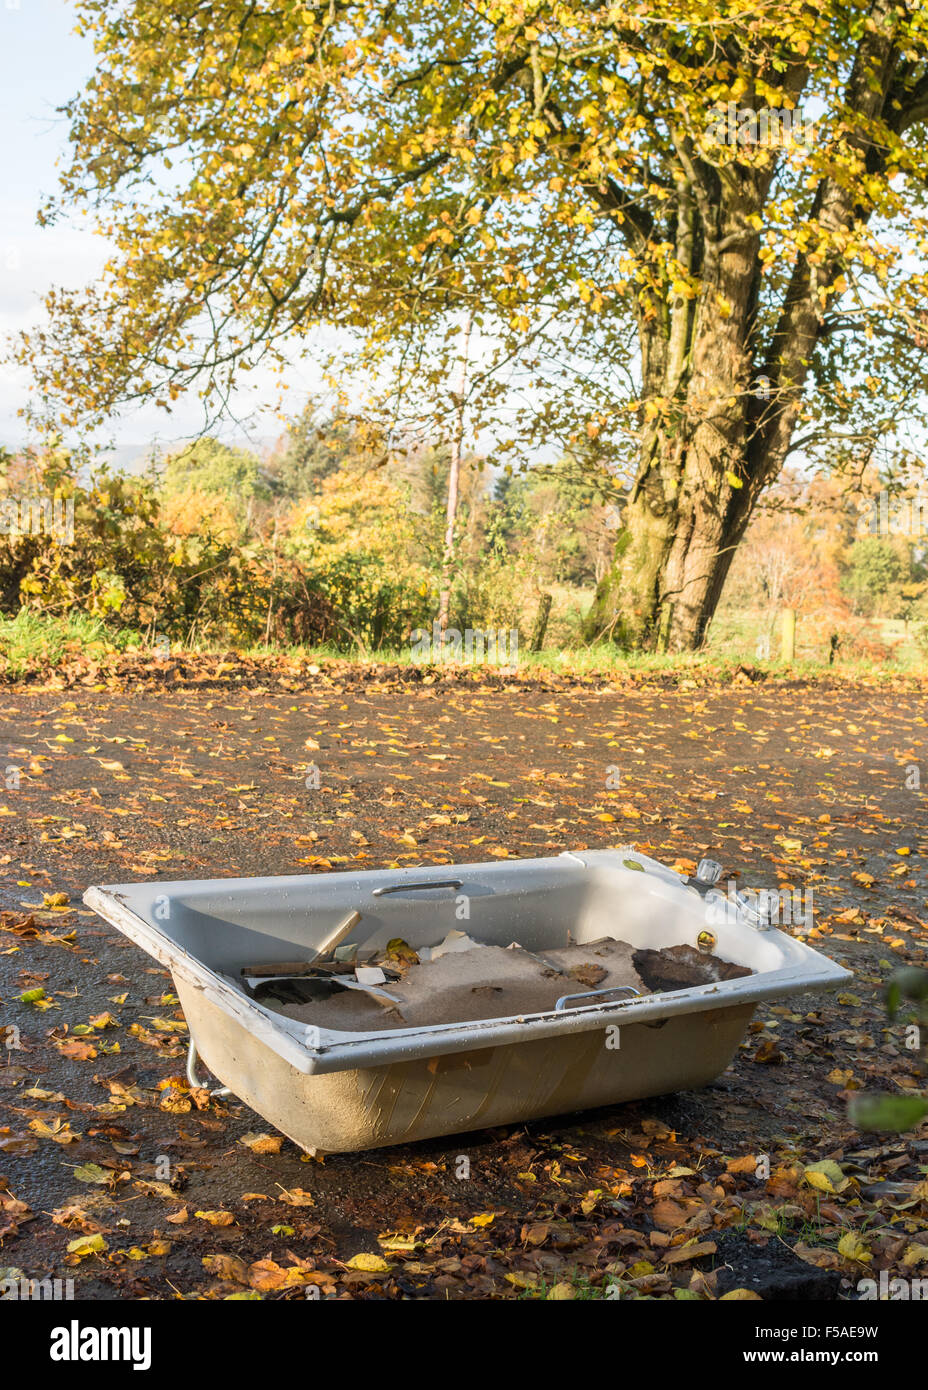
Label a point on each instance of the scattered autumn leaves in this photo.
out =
(755, 1184)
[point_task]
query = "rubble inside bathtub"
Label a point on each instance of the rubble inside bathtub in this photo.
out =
(461, 980)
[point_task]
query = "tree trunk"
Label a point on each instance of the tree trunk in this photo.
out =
(719, 404)
(672, 559)
(454, 476)
(697, 479)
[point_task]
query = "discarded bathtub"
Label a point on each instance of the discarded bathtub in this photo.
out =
(335, 1090)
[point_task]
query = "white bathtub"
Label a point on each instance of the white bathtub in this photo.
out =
(335, 1091)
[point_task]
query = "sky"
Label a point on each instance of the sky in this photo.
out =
(42, 64)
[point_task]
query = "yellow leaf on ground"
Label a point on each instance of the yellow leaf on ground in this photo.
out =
(267, 1276)
(853, 1248)
(370, 1264)
(263, 1143)
(85, 1246)
(227, 1267)
(826, 1176)
(691, 1251)
(296, 1197)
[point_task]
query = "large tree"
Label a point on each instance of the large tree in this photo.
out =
(659, 278)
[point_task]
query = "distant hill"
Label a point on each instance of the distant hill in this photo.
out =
(134, 458)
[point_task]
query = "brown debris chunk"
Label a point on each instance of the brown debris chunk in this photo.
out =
(682, 967)
(495, 982)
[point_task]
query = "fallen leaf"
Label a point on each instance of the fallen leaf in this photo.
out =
(826, 1176)
(853, 1248)
(93, 1173)
(370, 1264)
(691, 1251)
(85, 1246)
(296, 1197)
(263, 1143)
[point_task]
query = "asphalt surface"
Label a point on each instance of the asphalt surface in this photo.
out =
(786, 786)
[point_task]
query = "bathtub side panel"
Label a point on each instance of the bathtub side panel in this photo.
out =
(475, 1089)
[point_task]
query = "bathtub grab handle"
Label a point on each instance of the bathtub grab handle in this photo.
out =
(562, 1003)
(192, 1059)
(411, 887)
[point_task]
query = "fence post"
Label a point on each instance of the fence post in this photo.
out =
(788, 648)
(541, 623)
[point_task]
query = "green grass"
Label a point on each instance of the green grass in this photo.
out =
(609, 661)
(582, 1288)
(31, 639)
